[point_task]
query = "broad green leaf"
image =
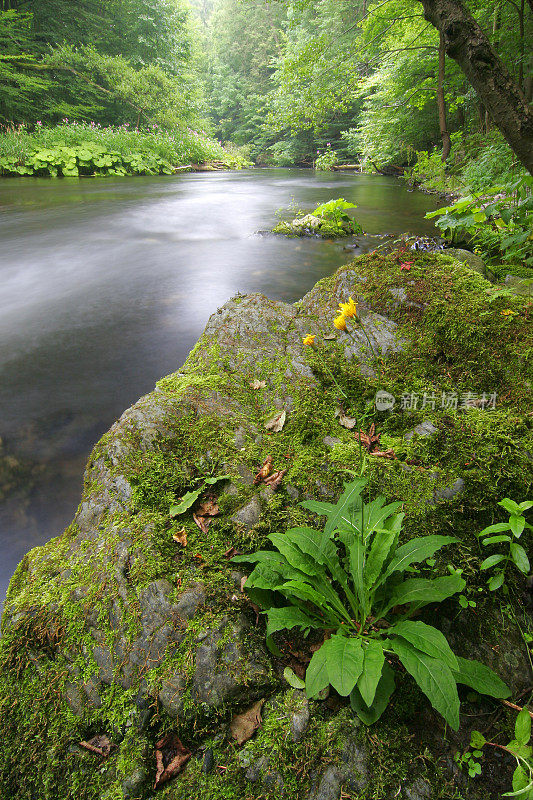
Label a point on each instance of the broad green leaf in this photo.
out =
(318, 507)
(477, 740)
(498, 527)
(316, 675)
(496, 581)
(517, 524)
(186, 502)
(322, 550)
(286, 618)
(296, 558)
(495, 540)
(481, 678)
(374, 658)
(518, 554)
(211, 481)
(350, 498)
(433, 677)
(265, 576)
(527, 504)
(385, 687)
(306, 592)
(345, 662)
(422, 591)
(521, 780)
(426, 638)
(522, 728)
(415, 551)
(509, 505)
(381, 546)
(356, 555)
(491, 561)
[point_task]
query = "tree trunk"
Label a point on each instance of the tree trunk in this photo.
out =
(441, 105)
(466, 43)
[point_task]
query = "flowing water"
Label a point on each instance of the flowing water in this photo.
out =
(106, 285)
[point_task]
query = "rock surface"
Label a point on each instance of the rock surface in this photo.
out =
(119, 628)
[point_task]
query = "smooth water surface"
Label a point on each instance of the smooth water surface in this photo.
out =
(107, 283)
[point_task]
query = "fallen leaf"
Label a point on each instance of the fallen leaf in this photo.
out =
(180, 537)
(99, 745)
(329, 337)
(202, 522)
(276, 423)
(207, 507)
(384, 453)
(243, 581)
(258, 384)
(275, 479)
(171, 756)
(264, 471)
(232, 551)
(243, 726)
(346, 422)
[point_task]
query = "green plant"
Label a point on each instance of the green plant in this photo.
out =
(520, 748)
(469, 759)
(507, 533)
(349, 582)
(190, 498)
(327, 160)
(335, 211)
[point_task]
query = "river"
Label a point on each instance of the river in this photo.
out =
(106, 285)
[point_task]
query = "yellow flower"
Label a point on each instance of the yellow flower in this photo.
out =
(508, 312)
(309, 339)
(340, 322)
(349, 309)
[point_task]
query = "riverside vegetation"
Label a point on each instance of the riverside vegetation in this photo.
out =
(130, 630)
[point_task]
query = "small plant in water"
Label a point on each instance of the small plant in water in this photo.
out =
(507, 533)
(348, 580)
(335, 211)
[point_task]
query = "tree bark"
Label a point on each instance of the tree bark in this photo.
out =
(441, 105)
(466, 43)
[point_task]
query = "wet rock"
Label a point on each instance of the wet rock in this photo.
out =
(229, 665)
(449, 492)
(426, 428)
(350, 771)
(208, 761)
(75, 698)
(190, 601)
(171, 695)
(331, 441)
(471, 260)
(300, 717)
(249, 514)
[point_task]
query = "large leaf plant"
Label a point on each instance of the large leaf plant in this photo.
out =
(349, 580)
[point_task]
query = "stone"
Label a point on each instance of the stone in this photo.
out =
(208, 761)
(190, 601)
(425, 428)
(331, 441)
(300, 717)
(419, 790)
(471, 260)
(249, 514)
(449, 492)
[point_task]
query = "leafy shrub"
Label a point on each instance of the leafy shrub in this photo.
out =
(507, 533)
(498, 224)
(335, 210)
(327, 160)
(349, 581)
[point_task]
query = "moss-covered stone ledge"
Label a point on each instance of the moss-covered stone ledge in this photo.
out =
(114, 629)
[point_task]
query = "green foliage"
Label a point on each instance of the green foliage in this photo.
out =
(73, 149)
(327, 160)
(520, 748)
(349, 581)
(507, 533)
(335, 210)
(190, 498)
(495, 221)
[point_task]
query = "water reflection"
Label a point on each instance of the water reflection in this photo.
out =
(106, 285)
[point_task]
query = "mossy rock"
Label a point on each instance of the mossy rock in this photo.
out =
(311, 225)
(113, 628)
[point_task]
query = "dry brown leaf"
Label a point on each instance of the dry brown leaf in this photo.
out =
(329, 337)
(275, 479)
(243, 726)
(232, 551)
(264, 471)
(258, 384)
(384, 453)
(276, 423)
(346, 422)
(202, 522)
(171, 756)
(99, 745)
(207, 507)
(243, 581)
(180, 537)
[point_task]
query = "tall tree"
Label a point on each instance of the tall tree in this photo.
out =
(505, 102)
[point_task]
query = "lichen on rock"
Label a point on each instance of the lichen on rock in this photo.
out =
(114, 628)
